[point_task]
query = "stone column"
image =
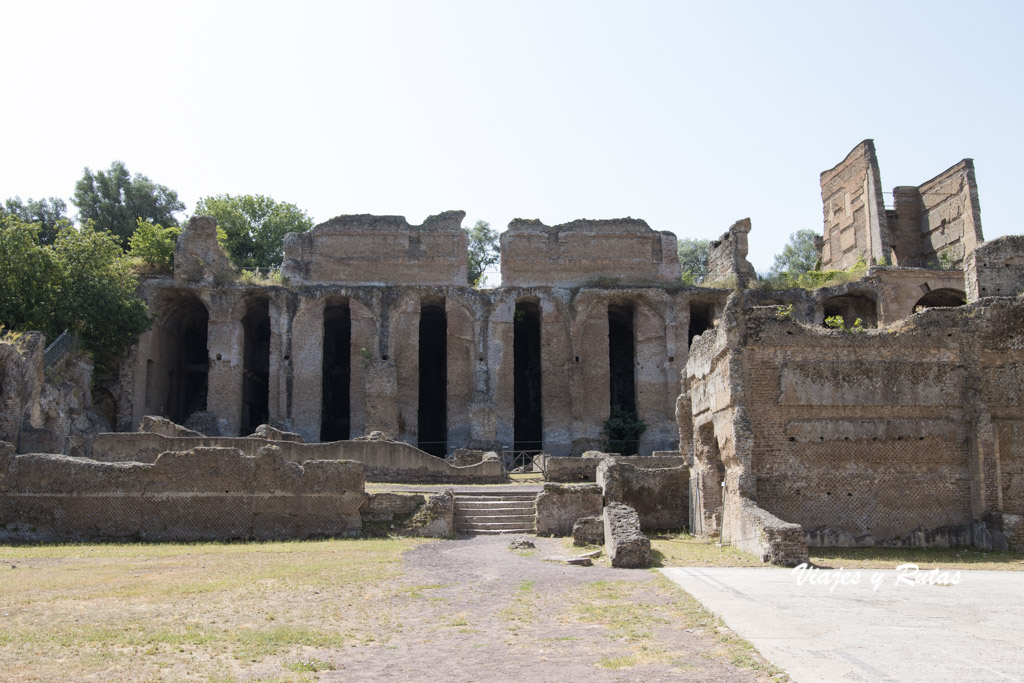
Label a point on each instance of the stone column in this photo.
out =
(307, 368)
(461, 363)
(224, 344)
(279, 330)
(557, 364)
(365, 344)
(501, 363)
(403, 344)
(650, 365)
(589, 378)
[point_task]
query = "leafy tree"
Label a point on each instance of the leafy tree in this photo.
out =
(115, 201)
(50, 214)
(693, 259)
(254, 226)
(484, 251)
(154, 245)
(799, 255)
(82, 282)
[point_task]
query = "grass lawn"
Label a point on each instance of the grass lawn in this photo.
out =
(191, 611)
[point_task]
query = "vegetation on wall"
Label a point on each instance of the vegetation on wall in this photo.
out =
(484, 252)
(693, 260)
(254, 226)
(622, 431)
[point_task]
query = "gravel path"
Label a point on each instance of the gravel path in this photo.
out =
(476, 611)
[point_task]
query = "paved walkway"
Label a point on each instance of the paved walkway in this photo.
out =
(972, 630)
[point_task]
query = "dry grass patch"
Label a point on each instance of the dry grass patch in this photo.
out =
(685, 550)
(206, 610)
(925, 558)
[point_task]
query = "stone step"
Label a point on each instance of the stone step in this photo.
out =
(495, 505)
(526, 519)
(508, 495)
(529, 531)
(492, 526)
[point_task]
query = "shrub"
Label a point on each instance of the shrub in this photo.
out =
(622, 431)
(154, 245)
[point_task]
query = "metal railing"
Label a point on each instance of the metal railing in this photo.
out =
(63, 344)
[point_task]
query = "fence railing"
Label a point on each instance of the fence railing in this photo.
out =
(65, 343)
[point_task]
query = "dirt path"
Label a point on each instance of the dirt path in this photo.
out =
(472, 610)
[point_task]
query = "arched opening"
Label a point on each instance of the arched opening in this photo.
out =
(851, 307)
(187, 359)
(335, 420)
(702, 318)
(526, 377)
(941, 298)
(623, 427)
(432, 415)
(256, 365)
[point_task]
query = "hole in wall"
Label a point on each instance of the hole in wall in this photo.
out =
(526, 351)
(335, 420)
(255, 365)
(432, 414)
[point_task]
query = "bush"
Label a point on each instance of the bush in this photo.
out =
(154, 245)
(622, 431)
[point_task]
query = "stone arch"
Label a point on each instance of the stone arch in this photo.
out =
(528, 424)
(850, 307)
(178, 367)
(945, 297)
(255, 363)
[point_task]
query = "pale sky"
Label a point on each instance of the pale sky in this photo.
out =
(688, 115)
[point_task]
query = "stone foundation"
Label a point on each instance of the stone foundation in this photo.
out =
(560, 505)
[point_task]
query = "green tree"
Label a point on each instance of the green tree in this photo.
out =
(49, 214)
(115, 201)
(693, 259)
(254, 226)
(82, 282)
(484, 251)
(800, 255)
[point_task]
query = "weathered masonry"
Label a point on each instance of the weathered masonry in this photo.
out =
(378, 331)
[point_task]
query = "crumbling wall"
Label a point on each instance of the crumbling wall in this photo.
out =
(198, 257)
(764, 535)
(379, 250)
(382, 460)
(995, 268)
(855, 218)
(560, 505)
(201, 494)
(619, 251)
(893, 437)
(941, 217)
(727, 258)
(659, 496)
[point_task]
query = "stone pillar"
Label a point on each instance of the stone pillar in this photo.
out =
(461, 352)
(651, 377)
(365, 345)
(307, 368)
(404, 352)
(280, 328)
(501, 338)
(589, 391)
(224, 344)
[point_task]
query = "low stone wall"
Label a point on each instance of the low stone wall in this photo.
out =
(659, 496)
(760, 533)
(576, 468)
(623, 541)
(386, 507)
(199, 495)
(382, 460)
(435, 518)
(560, 505)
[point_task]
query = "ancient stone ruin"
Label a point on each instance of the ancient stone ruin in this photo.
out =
(897, 423)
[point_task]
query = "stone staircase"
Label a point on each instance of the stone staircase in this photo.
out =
(499, 512)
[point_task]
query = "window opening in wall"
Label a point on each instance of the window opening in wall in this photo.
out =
(701, 320)
(256, 366)
(335, 422)
(526, 377)
(433, 395)
(190, 362)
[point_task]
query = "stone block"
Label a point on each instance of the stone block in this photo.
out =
(624, 542)
(588, 531)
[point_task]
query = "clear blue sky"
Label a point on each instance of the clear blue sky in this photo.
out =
(688, 115)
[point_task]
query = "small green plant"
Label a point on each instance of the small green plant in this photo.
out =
(835, 322)
(622, 431)
(946, 260)
(784, 312)
(310, 666)
(365, 353)
(153, 245)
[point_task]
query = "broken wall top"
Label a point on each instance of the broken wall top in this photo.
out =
(854, 212)
(198, 257)
(624, 250)
(727, 256)
(940, 216)
(377, 250)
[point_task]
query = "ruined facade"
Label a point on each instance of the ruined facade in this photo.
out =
(902, 425)
(377, 329)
